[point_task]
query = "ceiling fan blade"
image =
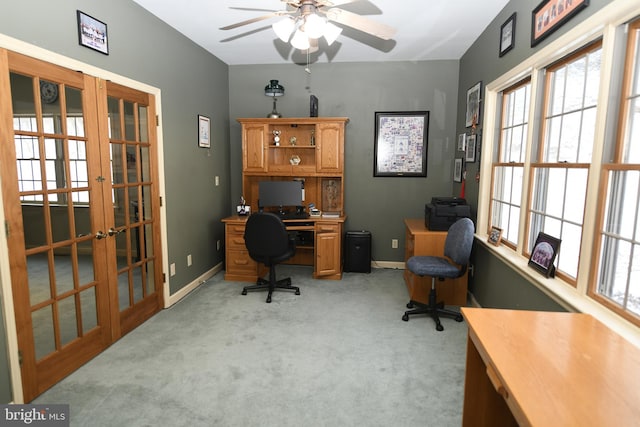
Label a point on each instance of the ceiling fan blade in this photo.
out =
(332, 3)
(252, 20)
(358, 22)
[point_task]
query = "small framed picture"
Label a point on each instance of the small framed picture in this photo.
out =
(470, 151)
(92, 33)
(204, 131)
(457, 170)
(544, 253)
(461, 141)
(495, 236)
(507, 35)
(473, 105)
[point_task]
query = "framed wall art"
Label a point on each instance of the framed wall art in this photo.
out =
(204, 131)
(550, 15)
(462, 138)
(457, 170)
(470, 149)
(92, 33)
(401, 140)
(544, 254)
(508, 35)
(473, 105)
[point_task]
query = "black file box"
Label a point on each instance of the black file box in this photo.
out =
(357, 252)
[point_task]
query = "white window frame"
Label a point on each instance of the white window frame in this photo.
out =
(605, 24)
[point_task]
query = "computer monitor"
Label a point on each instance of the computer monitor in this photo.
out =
(279, 194)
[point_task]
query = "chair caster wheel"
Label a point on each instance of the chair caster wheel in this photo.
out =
(458, 318)
(439, 327)
(268, 299)
(298, 292)
(244, 292)
(405, 317)
(409, 304)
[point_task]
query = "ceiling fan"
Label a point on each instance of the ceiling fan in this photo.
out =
(308, 20)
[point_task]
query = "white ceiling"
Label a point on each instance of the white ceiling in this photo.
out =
(426, 29)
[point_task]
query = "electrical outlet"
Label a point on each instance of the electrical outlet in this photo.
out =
(217, 180)
(189, 261)
(218, 244)
(172, 269)
(394, 243)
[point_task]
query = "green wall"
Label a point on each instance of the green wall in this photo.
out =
(494, 284)
(357, 91)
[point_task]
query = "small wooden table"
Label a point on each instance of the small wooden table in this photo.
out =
(545, 369)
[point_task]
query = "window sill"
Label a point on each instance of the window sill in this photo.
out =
(565, 295)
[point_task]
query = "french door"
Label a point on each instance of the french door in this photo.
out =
(79, 183)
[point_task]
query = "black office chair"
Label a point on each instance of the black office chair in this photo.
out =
(268, 242)
(457, 250)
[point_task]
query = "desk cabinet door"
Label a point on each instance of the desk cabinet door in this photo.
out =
(328, 250)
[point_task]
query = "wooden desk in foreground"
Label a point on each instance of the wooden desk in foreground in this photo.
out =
(548, 369)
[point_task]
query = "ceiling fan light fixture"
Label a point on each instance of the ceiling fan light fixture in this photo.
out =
(314, 26)
(300, 40)
(284, 28)
(331, 33)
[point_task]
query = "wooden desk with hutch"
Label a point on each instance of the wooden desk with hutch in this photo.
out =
(318, 143)
(531, 368)
(421, 241)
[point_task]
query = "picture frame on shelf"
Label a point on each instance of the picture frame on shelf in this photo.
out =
(204, 131)
(470, 149)
(544, 253)
(550, 15)
(495, 236)
(473, 105)
(400, 144)
(92, 33)
(507, 35)
(457, 170)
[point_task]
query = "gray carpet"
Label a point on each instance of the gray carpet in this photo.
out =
(336, 355)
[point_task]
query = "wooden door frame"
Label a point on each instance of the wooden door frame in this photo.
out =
(24, 48)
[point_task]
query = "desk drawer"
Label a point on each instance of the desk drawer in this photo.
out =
(239, 262)
(323, 227)
(236, 241)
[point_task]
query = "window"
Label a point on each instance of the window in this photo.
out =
(508, 170)
(618, 277)
(560, 167)
(563, 132)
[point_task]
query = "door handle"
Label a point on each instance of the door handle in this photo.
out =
(100, 235)
(112, 231)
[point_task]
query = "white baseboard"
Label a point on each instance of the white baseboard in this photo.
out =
(169, 300)
(388, 264)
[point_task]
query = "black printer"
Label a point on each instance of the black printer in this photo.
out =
(442, 212)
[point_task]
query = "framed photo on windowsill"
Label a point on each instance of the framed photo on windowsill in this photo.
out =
(544, 254)
(495, 236)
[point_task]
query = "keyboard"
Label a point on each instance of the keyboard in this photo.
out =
(294, 215)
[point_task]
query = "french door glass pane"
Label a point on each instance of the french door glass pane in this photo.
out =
(67, 319)
(63, 268)
(38, 278)
(89, 311)
(43, 331)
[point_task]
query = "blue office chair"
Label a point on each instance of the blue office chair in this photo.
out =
(268, 242)
(457, 250)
